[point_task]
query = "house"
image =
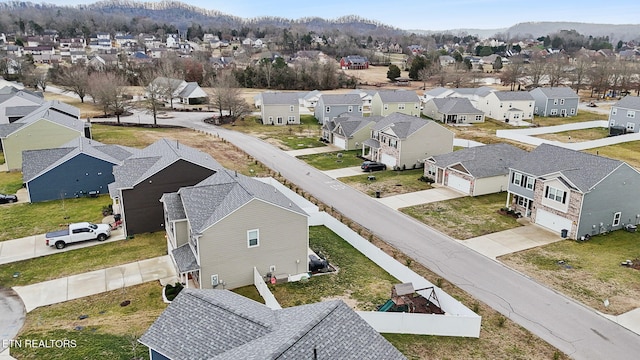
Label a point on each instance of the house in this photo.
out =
(51, 125)
(354, 62)
(189, 93)
(102, 62)
(403, 141)
(365, 96)
(222, 228)
(476, 170)
(386, 102)
(555, 101)
(574, 192)
(333, 105)
(350, 131)
(452, 111)
(219, 324)
(624, 113)
(162, 167)
(16, 103)
(446, 60)
(310, 100)
(72, 170)
(280, 108)
(508, 106)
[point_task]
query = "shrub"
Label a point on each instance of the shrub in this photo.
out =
(171, 291)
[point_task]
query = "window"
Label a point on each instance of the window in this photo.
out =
(327, 109)
(279, 119)
(291, 108)
(630, 126)
(573, 111)
(292, 119)
(350, 108)
(478, 117)
(517, 179)
(555, 194)
(253, 238)
(386, 106)
(400, 106)
(529, 182)
(360, 108)
(614, 111)
(612, 122)
(432, 169)
(555, 101)
(631, 114)
(561, 101)
(463, 118)
(270, 119)
(616, 218)
(510, 105)
(554, 112)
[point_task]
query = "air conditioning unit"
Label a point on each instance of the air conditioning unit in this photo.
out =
(272, 269)
(214, 280)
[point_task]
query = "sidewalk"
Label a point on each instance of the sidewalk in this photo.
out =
(420, 197)
(34, 246)
(95, 282)
(344, 172)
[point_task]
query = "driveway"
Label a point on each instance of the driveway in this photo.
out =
(440, 193)
(34, 246)
(314, 150)
(96, 282)
(12, 318)
(344, 172)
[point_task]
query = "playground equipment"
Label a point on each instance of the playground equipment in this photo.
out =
(404, 298)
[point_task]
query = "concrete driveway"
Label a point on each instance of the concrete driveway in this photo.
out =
(12, 318)
(512, 240)
(314, 150)
(420, 197)
(344, 172)
(34, 246)
(96, 282)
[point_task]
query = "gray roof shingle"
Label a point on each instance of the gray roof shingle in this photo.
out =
(341, 99)
(557, 92)
(483, 161)
(54, 111)
(628, 102)
(455, 105)
(513, 95)
(221, 325)
(185, 259)
(280, 98)
(403, 125)
(398, 96)
(582, 169)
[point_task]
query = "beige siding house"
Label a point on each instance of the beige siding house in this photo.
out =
(404, 141)
(51, 126)
(349, 132)
(223, 227)
(386, 102)
(280, 108)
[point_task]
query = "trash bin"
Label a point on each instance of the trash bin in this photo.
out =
(630, 228)
(564, 233)
(377, 194)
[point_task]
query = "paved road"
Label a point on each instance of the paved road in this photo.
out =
(568, 325)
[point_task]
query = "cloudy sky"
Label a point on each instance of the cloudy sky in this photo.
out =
(430, 14)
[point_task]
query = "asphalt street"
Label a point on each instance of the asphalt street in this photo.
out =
(566, 324)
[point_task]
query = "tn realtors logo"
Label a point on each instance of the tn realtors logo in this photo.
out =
(43, 343)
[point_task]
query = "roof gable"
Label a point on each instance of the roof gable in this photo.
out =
(483, 161)
(628, 102)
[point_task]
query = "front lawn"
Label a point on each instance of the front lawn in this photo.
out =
(10, 182)
(20, 220)
(31, 271)
(466, 217)
(288, 137)
(109, 331)
(333, 160)
(388, 182)
(589, 272)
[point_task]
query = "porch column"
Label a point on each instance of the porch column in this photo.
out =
(508, 198)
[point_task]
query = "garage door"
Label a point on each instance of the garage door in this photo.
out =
(458, 183)
(339, 142)
(389, 160)
(552, 221)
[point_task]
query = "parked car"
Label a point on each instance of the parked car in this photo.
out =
(78, 232)
(6, 199)
(372, 166)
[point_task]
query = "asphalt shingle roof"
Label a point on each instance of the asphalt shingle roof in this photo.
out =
(582, 169)
(557, 92)
(455, 106)
(628, 102)
(54, 111)
(513, 95)
(341, 99)
(403, 125)
(280, 98)
(483, 161)
(173, 205)
(185, 260)
(398, 96)
(221, 325)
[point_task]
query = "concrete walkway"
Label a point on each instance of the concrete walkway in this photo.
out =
(96, 282)
(314, 150)
(420, 197)
(34, 246)
(344, 172)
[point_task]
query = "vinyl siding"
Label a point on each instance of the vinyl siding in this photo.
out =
(490, 185)
(42, 134)
(283, 240)
(283, 111)
(432, 139)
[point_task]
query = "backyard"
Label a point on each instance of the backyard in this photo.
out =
(576, 135)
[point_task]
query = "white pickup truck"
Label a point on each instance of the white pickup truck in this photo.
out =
(78, 232)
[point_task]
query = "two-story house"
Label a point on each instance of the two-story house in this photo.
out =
(404, 141)
(572, 193)
(348, 132)
(555, 101)
(452, 111)
(331, 106)
(508, 106)
(222, 228)
(626, 114)
(386, 102)
(280, 108)
(11, 99)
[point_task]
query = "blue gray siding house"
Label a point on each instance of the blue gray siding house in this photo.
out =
(222, 325)
(584, 194)
(626, 113)
(331, 106)
(72, 170)
(555, 101)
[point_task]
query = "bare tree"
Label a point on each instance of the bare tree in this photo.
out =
(227, 97)
(599, 76)
(109, 90)
(76, 80)
(41, 78)
(512, 73)
(556, 70)
(578, 75)
(535, 71)
(153, 96)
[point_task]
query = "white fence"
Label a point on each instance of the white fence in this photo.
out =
(264, 291)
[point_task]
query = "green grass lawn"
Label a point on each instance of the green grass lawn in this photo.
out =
(627, 152)
(576, 135)
(466, 217)
(291, 137)
(389, 182)
(331, 160)
(124, 135)
(142, 246)
(557, 120)
(590, 272)
(1, 157)
(109, 332)
(38, 218)
(10, 182)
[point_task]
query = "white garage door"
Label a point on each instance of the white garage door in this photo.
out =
(339, 142)
(552, 221)
(458, 183)
(389, 160)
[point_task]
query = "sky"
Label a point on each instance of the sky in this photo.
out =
(429, 14)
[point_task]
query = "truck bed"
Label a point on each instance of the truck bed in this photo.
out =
(53, 234)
